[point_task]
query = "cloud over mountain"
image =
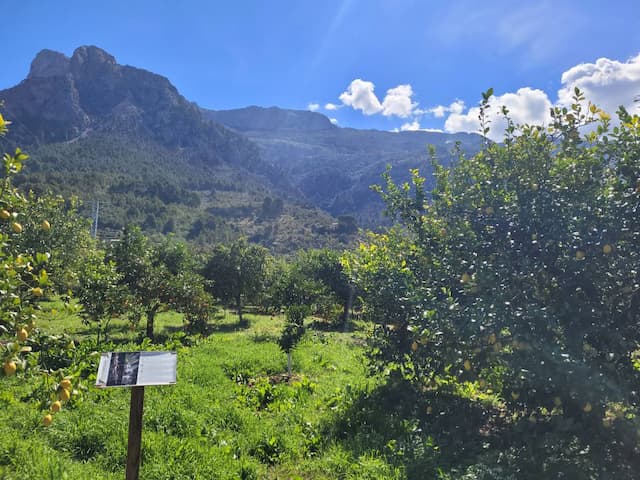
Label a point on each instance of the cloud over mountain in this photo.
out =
(606, 83)
(360, 95)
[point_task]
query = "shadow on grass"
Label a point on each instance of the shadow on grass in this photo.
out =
(227, 327)
(418, 432)
(445, 436)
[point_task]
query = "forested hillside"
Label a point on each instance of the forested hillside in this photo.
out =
(126, 138)
(334, 167)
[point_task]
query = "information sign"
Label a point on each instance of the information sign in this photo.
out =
(136, 369)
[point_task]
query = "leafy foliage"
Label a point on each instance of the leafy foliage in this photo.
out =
(157, 278)
(237, 272)
(519, 274)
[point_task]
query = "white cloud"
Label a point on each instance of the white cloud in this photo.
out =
(398, 101)
(527, 105)
(457, 107)
(607, 83)
(334, 121)
(360, 96)
(415, 127)
(331, 106)
(410, 127)
(313, 107)
(441, 110)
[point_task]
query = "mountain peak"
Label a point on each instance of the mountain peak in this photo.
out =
(49, 63)
(91, 55)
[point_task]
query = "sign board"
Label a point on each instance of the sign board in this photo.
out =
(136, 369)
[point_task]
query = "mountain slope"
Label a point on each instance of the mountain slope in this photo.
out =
(126, 137)
(334, 167)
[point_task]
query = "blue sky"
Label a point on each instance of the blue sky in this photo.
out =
(382, 64)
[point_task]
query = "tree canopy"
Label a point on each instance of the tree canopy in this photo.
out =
(519, 274)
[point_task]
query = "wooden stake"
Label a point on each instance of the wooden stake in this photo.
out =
(135, 433)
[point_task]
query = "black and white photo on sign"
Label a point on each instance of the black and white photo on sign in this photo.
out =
(128, 369)
(123, 369)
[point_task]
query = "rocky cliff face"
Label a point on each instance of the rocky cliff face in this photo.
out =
(63, 98)
(49, 64)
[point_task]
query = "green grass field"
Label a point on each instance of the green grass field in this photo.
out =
(233, 413)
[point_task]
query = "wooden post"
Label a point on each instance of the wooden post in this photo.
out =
(135, 433)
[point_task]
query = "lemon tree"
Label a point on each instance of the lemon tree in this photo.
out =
(158, 278)
(23, 276)
(517, 274)
(31, 228)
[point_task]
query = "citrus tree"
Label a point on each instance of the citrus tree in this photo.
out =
(100, 292)
(52, 224)
(23, 278)
(519, 273)
(24, 281)
(158, 278)
(236, 273)
(293, 331)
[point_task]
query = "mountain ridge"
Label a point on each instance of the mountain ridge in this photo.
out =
(335, 166)
(99, 129)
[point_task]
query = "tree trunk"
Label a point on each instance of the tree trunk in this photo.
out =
(347, 308)
(151, 315)
(289, 363)
(239, 305)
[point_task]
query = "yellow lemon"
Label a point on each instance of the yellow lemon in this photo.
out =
(580, 255)
(607, 249)
(64, 395)
(47, 419)
(22, 334)
(587, 407)
(37, 292)
(9, 368)
(16, 227)
(45, 225)
(66, 384)
(56, 406)
(467, 365)
(4, 214)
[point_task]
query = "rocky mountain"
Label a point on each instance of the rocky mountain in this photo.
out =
(334, 167)
(64, 99)
(126, 137)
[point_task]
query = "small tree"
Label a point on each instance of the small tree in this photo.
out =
(293, 331)
(237, 273)
(100, 292)
(324, 266)
(158, 278)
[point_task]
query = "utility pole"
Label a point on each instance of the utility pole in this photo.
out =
(95, 215)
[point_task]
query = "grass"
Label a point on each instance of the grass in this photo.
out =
(233, 414)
